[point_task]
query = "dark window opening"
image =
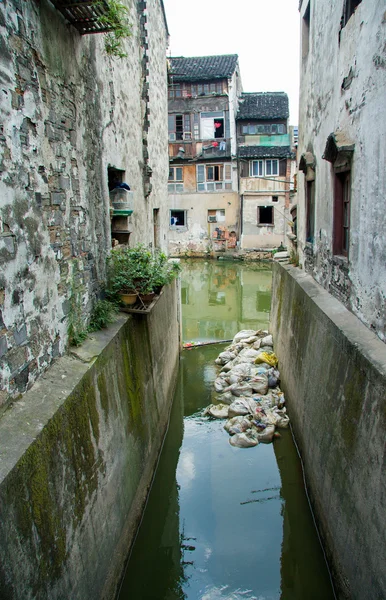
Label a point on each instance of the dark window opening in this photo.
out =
(179, 127)
(265, 215)
(114, 177)
(348, 10)
(342, 193)
(275, 198)
(214, 173)
(219, 128)
(178, 217)
(310, 211)
(306, 31)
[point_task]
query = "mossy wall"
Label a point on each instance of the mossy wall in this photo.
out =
(334, 375)
(71, 502)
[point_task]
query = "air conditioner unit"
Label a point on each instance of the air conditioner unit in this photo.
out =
(187, 135)
(212, 219)
(172, 137)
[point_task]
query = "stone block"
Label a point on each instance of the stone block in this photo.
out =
(64, 182)
(57, 197)
(3, 345)
(20, 335)
(16, 359)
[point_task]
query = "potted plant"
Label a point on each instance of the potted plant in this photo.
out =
(139, 272)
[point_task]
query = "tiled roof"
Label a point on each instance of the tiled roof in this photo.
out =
(196, 68)
(265, 152)
(263, 105)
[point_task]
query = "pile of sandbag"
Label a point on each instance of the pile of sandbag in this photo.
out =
(248, 392)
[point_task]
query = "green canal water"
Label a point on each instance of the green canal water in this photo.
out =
(223, 523)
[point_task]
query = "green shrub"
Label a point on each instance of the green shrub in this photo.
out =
(102, 314)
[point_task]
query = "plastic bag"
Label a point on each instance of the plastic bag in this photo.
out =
(247, 439)
(224, 358)
(266, 436)
(220, 384)
(259, 384)
(269, 359)
(243, 335)
(237, 425)
(267, 341)
(241, 406)
(240, 389)
(217, 411)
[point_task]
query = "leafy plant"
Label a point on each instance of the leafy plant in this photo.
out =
(77, 331)
(138, 270)
(116, 21)
(294, 258)
(102, 315)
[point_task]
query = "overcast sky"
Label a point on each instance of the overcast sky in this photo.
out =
(264, 33)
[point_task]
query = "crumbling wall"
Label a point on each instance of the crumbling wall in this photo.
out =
(78, 456)
(333, 372)
(68, 112)
(343, 87)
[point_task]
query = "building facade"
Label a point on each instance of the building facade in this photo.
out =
(203, 190)
(74, 123)
(342, 185)
(265, 157)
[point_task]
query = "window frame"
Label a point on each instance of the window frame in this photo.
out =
(310, 210)
(264, 169)
(177, 210)
(174, 179)
(265, 224)
(342, 210)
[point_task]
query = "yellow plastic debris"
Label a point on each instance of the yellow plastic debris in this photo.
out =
(270, 359)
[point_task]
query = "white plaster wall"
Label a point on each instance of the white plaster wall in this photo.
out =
(259, 236)
(360, 112)
(197, 236)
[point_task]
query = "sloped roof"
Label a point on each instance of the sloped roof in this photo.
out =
(196, 68)
(263, 105)
(265, 152)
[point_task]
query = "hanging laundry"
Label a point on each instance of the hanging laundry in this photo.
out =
(222, 146)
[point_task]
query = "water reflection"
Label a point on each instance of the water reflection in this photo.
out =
(220, 298)
(224, 523)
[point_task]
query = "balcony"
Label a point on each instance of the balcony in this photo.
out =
(84, 14)
(218, 148)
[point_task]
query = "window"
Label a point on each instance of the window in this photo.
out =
(265, 215)
(342, 193)
(310, 211)
(178, 218)
(211, 178)
(261, 168)
(176, 174)
(179, 127)
(349, 9)
(306, 31)
(193, 89)
(219, 88)
(272, 167)
(214, 173)
(268, 129)
(256, 168)
(216, 216)
(212, 125)
(275, 198)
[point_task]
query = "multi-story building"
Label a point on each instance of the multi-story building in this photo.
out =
(203, 190)
(342, 184)
(265, 157)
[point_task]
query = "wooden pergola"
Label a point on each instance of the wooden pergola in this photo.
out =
(83, 14)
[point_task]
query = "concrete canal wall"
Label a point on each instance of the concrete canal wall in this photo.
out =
(77, 457)
(334, 375)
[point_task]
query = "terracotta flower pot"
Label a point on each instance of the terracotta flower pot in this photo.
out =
(147, 298)
(129, 299)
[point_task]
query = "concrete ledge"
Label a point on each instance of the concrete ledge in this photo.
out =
(334, 374)
(77, 458)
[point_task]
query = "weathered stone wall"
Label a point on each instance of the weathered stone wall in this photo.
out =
(77, 459)
(333, 373)
(68, 113)
(343, 87)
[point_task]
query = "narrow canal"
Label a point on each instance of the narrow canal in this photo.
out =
(223, 523)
